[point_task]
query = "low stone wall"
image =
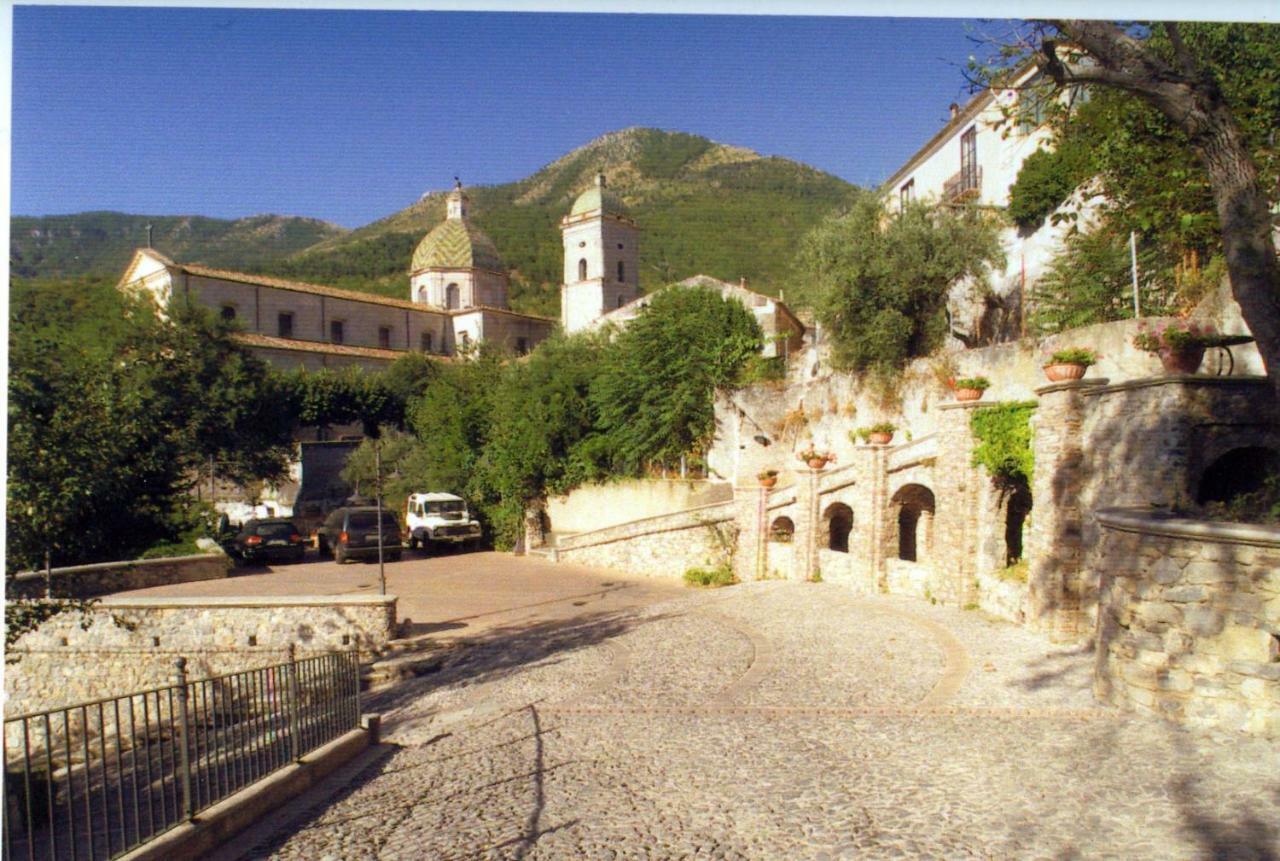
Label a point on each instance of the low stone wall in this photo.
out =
(847, 570)
(663, 546)
(90, 581)
(1004, 599)
(599, 506)
(1189, 619)
(131, 643)
(916, 579)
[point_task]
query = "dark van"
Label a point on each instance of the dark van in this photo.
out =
(352, 533)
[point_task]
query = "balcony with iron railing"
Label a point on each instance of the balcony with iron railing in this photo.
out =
(964, 186)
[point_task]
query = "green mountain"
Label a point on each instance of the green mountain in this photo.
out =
(102, 243)
(703, 207)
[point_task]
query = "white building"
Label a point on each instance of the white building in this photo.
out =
(601, 258)
(973, 160)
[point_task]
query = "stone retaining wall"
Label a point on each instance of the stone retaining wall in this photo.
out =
(1004, 599)
(131, 643)
(90, 581)
(663, 546)
(1189, 619)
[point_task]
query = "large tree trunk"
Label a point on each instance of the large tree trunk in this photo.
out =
(1192, 100)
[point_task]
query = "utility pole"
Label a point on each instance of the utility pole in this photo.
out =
(1133, 267)
(377, 461)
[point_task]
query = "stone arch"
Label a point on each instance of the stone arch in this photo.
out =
(837, 523)
(913, 506)
(452, 296)
(782, 530)
(1238, 471)
(582, 269)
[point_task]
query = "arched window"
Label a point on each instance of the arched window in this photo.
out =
(465, 340)
(582, 269)
(914, 504)
(228, 312)
(451, 296)
(422, 294)
(424, 342)
(839, 522)
(782, 530)
(622, 271)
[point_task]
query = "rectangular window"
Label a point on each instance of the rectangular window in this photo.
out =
(335, 331)
(284, 324)
(384, 337)
(969, 159)
(906, 194)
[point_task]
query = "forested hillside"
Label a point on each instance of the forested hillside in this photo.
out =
(703, 207)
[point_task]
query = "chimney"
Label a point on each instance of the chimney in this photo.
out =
(955, 110)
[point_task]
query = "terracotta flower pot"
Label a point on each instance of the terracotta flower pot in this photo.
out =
(1184, 360)
(968, 394)
(769, 482)
(817, 463)
(1064, 371)
(878, 438)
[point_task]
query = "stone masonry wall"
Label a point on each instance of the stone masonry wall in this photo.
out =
(62, 663)
(89, 581)
(1189, 620)
(663, 546)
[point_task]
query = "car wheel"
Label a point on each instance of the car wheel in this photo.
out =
(321, 547)
(394, 556)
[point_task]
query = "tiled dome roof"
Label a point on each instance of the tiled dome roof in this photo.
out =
(455, 243)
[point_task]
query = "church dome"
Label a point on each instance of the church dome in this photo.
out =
(598, 197)
(455, 243)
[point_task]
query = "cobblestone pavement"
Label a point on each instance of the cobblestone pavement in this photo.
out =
(782, 720)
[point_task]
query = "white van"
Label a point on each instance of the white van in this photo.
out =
(438, 519)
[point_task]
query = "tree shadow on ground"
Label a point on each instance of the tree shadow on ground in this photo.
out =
(1057, 669)
(503, 651)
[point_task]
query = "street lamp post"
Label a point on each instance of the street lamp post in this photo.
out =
(377, 461)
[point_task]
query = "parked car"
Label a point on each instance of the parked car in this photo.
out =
(352, 533)
(439, 520)
(270, 539)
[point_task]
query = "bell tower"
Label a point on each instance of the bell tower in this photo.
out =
(601, 258)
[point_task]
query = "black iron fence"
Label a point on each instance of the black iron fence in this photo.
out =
(98, 779)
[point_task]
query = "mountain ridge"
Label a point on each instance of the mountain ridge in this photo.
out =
(703, 207)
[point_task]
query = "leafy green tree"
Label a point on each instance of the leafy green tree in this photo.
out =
(655, 390)
(1203, 103)
(878, 282)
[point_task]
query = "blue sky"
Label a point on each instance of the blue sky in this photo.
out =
(350, 115)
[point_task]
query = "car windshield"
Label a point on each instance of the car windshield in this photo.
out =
(449, 507)
(275, 530)
(369, 520)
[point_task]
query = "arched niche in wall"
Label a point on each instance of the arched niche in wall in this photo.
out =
(914, 505)
(1017, 508)
(782, 530)
(838, 523)
(1239, 472)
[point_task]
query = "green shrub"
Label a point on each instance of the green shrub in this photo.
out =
(979, 383)
(1258, 506)
(1045, 181)
(1004, 440)
(1017, 572)
(721, 575)
(1074, 356)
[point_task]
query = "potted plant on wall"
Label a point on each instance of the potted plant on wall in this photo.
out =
(767, 477)
(971, 388)
(1179, 344)
(1069, 364)
(816, 459)
(877, 434)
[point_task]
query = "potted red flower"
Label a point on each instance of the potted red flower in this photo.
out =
(1179, 344)
(816, 459)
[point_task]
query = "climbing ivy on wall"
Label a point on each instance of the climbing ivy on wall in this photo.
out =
(1004, 440)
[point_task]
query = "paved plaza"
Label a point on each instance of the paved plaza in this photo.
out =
(772, 720)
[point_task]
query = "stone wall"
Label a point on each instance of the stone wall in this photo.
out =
(664, 546)
(1004, 599)
(596, 506)
(131, 643)
(90, 581)
(1189, 619)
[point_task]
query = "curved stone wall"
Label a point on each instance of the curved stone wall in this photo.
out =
(1189, 619)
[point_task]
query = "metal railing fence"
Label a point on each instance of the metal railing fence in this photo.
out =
(97, 779)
